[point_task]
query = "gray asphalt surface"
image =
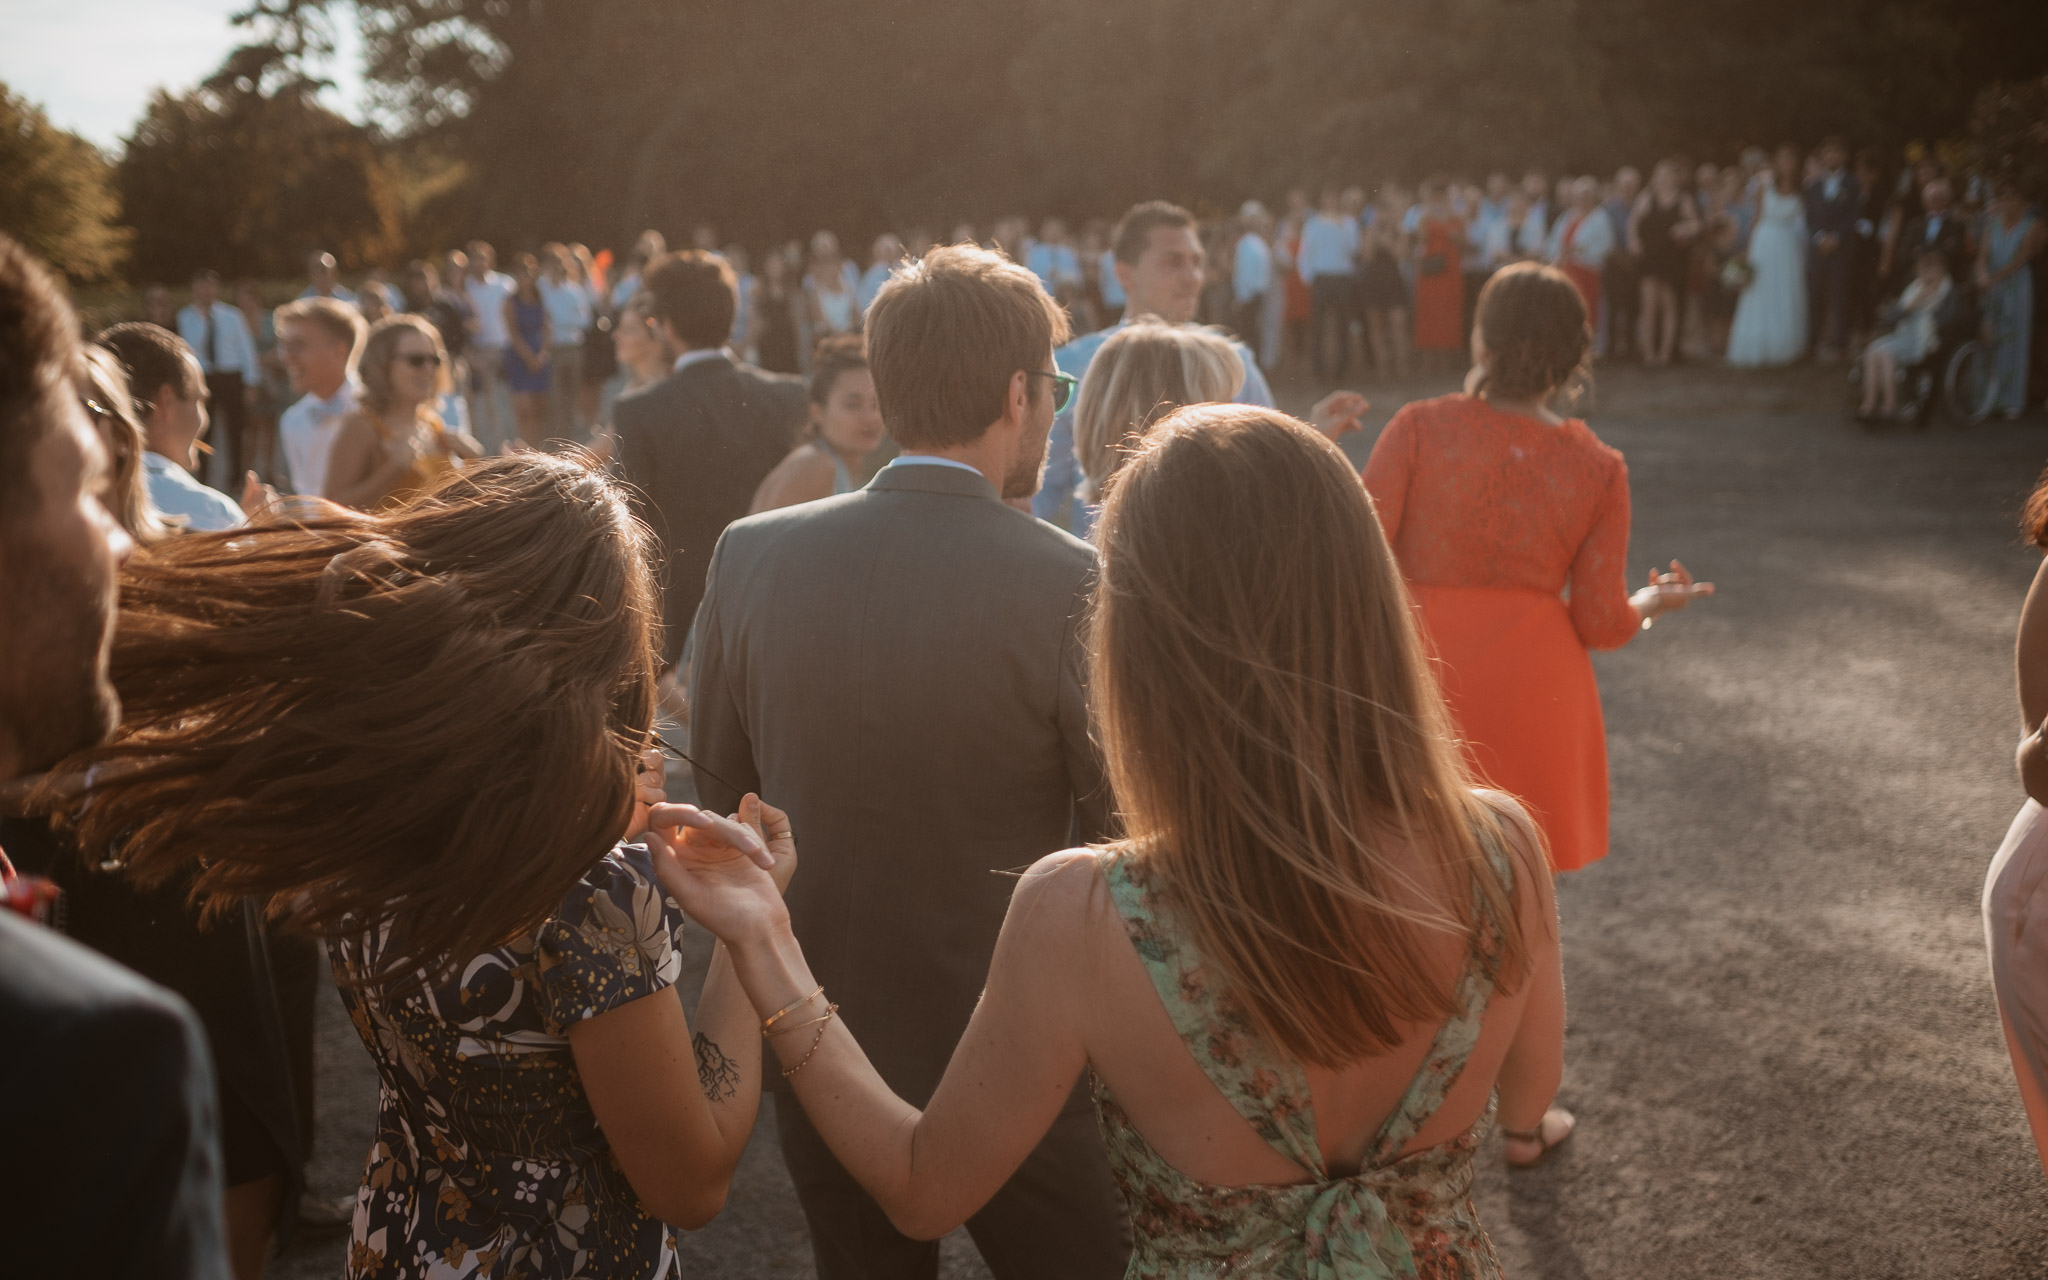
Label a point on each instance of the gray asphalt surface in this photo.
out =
(1783, 1050)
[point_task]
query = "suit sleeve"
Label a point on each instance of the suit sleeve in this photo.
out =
(1094, 808)
(725, 768)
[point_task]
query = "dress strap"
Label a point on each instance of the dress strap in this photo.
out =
(1269, 1091)
(1456, 1039)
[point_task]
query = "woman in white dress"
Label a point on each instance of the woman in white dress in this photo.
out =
(1770, 320)
(2016, 891)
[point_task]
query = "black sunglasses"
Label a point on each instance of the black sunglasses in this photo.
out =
(423, 360)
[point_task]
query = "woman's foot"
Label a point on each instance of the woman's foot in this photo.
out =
(1525, 1148)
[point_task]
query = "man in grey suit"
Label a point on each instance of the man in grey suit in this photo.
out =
(900, 669)
(698, 443)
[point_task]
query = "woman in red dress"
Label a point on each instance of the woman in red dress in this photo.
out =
(1494, 505)
(1439, 278)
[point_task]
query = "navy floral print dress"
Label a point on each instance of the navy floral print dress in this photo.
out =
(488, 1163)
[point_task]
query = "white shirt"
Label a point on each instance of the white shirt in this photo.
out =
(568, 307)
(927, 460)
(1328, 246)
(696, 355)
(176, 493)
(307, 431)
(1591, 244)
(233, 351)
(487, 298)
(1253, 273)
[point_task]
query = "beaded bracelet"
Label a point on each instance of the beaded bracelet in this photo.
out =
(787, 1072)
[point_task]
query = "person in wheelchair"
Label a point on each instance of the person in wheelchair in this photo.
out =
(1919, 318)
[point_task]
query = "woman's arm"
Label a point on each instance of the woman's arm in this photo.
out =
(804, 476)
(678, 1108)
(1634, 232)
(362, 468)
(1012, 1072)
(2030, 661)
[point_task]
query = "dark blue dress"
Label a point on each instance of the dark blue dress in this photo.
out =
(531, 319)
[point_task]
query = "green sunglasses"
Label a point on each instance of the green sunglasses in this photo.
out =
(1063, 385)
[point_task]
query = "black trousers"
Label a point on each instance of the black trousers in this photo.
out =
(1059, 1215)
(1329, 310)
(1827, 293)
(229, 411)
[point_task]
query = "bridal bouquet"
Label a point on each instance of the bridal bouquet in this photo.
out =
(1736, 274)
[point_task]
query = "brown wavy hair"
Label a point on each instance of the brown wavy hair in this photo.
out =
(426, 719)
(2034, 515)
(1271, 726)
(1539, 337)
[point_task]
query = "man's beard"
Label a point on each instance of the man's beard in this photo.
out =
(1027, 472)
(54, 693)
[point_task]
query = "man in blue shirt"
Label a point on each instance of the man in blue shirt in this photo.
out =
(1159, 261)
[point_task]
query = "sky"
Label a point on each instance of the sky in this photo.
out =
(93, 64)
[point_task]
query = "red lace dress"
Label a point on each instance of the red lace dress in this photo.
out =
(1493, 516)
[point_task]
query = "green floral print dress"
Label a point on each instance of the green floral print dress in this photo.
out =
(1398, 1218)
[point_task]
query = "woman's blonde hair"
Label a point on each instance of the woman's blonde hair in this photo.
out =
(381, 347)
(103, 385)
(1271, 728)
(1143, 372)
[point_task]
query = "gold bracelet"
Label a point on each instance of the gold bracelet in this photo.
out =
(790, 1008)
(830, 1009)
(787, 1072)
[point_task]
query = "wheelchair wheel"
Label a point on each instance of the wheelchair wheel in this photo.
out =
(1967, 391)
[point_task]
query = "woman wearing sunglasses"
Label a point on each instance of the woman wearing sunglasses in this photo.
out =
(393, 445)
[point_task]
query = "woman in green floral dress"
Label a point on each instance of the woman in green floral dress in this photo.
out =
(1316, 964)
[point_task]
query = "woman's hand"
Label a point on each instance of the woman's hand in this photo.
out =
(402, 451)
(1337, 415)
(256, 495)
(650, 788)
(1667, 592)
(718, 869)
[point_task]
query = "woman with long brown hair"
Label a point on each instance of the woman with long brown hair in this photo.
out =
(1498, 509)
(393, 444)
(417, 734)
(1299, 980)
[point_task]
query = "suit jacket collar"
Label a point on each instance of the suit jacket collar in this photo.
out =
(928, 479)
(718, 360)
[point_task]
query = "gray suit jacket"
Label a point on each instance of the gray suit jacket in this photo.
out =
(900, 669)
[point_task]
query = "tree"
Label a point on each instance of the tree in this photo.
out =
(249, 182)
(591, 120)
(2009, 134)
(58, 197)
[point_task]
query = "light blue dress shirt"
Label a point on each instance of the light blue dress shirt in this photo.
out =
(175, 493)
(234, 351)
(1329, 247)
(1112, 288)
(1254, 268)
(1063, 467)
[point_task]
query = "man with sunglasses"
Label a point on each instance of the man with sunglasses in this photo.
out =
(900, 669)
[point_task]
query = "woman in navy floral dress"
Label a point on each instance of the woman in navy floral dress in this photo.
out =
(417, 734)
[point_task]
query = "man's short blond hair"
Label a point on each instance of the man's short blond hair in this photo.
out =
(341, 321)
(1143, 372)
(945, 336)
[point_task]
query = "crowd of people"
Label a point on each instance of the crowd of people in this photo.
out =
(958, 593)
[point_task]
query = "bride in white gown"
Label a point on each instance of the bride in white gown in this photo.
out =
(1770, 319)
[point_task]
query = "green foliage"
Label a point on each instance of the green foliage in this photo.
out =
(57, 196)
(592, 120)
(248, 183)
(2009, 134)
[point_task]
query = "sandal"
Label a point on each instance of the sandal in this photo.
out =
(1540, 1138)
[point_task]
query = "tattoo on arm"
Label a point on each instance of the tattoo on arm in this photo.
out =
(717, 1075)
